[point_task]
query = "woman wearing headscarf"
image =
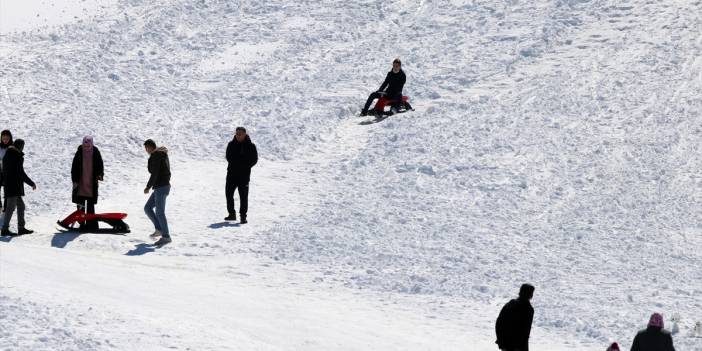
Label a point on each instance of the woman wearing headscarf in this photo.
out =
(86, 171)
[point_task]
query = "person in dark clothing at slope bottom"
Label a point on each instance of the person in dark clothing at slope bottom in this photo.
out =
(394, 82)
(654, 337)
(241, 156)
(513, 325)
(15, 178)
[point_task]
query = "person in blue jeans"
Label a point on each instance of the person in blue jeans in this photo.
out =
(160, 170)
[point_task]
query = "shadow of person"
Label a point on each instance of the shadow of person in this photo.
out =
(223, 225)
(140, 249)
(61, 239)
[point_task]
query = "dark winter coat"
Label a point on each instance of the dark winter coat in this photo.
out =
(3, 150)
(653, 339)
(394, 82)
(513, 325)
(13, 173)
(77, 172)
(160, 169)
(241, 157)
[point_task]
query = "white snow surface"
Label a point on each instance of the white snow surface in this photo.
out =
(554, 142)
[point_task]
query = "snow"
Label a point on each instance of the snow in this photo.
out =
(553, 142)
(26, 15)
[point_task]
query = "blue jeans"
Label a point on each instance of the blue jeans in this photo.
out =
(158, 200)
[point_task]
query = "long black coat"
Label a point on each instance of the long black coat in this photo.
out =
(653, 339)
(513, 325)
(13, 174)
(241, 157)
(77, 173)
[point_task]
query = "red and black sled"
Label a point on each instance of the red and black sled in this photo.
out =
(387, 107)
(78, 220)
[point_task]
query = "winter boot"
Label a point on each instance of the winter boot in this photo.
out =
(156, 234)
(163, 241)
(243, 219)
(231, 217)
(7, 232)
(24, 231)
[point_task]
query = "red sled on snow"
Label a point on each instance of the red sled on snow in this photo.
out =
(394, 106)
(83, 220)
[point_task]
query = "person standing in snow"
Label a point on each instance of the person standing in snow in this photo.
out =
(5, 142)
(391, 87)
(241, 157)
(513, 325)
(15, 178)
(654, 337)
(160, 181)
(87, 170)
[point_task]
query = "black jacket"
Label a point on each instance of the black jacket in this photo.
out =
(394, 82)
(13, 173)
(241, 157)
(653, 339)
(77, 173)
(160, 169)
(513, 325)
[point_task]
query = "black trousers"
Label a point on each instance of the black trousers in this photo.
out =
(234, 182)
(89, 209)
(377, 95)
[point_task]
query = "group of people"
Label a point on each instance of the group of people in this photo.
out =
(87, 170)
(513, 327)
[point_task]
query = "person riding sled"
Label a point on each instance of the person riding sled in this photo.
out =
(391, 87)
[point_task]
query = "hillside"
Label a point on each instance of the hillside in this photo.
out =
(553, 142)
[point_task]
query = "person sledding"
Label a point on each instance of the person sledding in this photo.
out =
(390, 91)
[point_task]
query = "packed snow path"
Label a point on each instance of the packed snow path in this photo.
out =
(554, 142)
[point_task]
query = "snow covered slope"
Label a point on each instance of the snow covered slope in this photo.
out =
(554, 142)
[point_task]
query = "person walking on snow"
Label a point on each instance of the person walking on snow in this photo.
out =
(87, 170)
(391, 87)
(241, 157)
(160, 170)
(513, 325)
(654, 337)
(14, 177)
(5, 142)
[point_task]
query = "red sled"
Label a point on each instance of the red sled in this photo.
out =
(394, 106)
(80, 218)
